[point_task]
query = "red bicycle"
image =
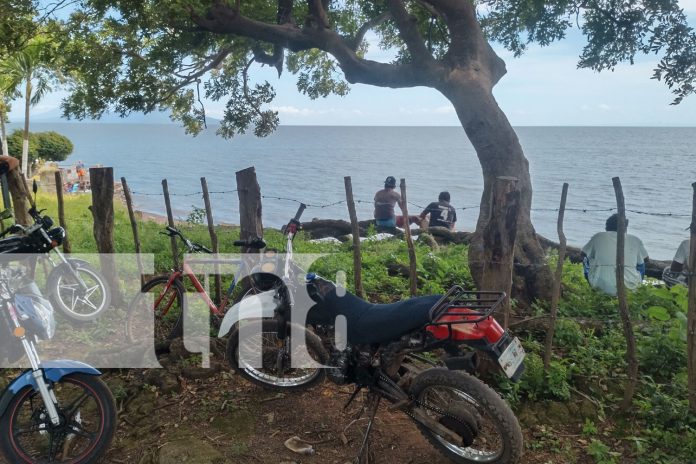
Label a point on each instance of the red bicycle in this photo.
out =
(164, 295)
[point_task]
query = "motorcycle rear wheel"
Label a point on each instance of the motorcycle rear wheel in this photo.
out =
(458, 400)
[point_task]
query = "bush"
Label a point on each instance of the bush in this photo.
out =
(50, 146)
(53, 146)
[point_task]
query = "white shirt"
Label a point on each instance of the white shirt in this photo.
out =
(682, 256)
(601, 251)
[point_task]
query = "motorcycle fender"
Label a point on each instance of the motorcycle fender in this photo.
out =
(53, 371)
(61, 268)
(258, 306)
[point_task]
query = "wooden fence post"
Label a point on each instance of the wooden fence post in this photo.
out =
(134, 227)
(691, 317)
(548, 345)
(631, 358)
(499, 240)
(170, 221)
(213, 238)
(61, 210)
(20, 197)
(249, 194)
(412, 272)
(355, 227)
(102, 208)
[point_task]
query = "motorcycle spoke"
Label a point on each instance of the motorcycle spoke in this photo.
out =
(74, 406)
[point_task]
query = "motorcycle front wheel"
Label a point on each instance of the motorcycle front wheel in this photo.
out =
(87, 423)
(77, 302)
(262, 358)
(472, 410)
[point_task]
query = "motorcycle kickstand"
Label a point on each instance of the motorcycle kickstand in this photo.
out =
(352, 397)
(364, 447)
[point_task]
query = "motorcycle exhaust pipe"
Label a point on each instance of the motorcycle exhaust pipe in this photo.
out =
(468, 362)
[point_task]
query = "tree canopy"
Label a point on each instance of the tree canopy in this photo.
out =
(135, 55)
(17, 25)
(49, 146)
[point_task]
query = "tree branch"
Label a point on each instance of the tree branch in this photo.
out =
(366, 27)
(191, 77)
(408, 31)
(222, 19)
(318, 11)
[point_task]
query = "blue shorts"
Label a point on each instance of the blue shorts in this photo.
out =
(391, 222)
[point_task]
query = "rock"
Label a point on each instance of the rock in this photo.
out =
(428, 240)
(189, 450)
(166, 381)
(194, 372)
(237, 424)
(557, 413)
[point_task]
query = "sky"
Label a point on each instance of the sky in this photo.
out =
(542, 88)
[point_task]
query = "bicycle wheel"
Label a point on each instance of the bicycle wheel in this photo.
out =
(75, 301)
(87, 423)
(166, 301)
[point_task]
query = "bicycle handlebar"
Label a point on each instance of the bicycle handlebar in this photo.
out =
(191, 246)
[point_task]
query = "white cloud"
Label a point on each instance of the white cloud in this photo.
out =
(604, 107)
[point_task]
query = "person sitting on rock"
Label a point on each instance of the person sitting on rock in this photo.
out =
(677, 273)
(442, 214)
(600, 255)
(680, 262)
(385, 200)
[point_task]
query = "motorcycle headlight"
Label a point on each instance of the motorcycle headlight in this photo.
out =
(36, 313)
(57, 235)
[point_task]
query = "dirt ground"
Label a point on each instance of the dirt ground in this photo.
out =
(188, 414)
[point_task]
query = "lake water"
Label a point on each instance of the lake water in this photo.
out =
(308, 163)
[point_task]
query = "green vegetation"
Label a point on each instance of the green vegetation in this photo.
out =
(577, 397)
(49, 146)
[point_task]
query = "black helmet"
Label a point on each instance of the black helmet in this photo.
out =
(390, 182)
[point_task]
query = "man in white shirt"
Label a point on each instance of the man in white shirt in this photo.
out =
(681, 258)
(601, 254)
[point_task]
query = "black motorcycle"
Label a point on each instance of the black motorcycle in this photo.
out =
(74, 287)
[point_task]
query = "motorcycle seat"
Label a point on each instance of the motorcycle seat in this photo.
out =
(373, 323)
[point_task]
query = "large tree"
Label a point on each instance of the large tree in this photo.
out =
(144, 54)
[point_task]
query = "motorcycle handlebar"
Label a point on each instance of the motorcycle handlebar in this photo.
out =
(300, 210)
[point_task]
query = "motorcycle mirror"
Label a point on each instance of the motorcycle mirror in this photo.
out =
(35, 187)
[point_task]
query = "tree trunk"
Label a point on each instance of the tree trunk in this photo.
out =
(3, 131)
(500, 154)
(691, 312)
(25, 141)
(249, 192)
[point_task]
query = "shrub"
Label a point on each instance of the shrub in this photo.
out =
(50, 146)
(53, 146)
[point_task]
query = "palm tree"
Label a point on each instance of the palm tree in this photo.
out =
(8, 92)
(30, 66)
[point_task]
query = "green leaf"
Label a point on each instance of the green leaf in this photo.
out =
(659, 313)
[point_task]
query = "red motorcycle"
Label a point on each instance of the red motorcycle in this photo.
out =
(381, 348)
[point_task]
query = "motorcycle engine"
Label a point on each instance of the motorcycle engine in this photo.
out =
(339, 361)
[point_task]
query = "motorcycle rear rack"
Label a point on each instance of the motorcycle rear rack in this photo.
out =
(479, 306)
